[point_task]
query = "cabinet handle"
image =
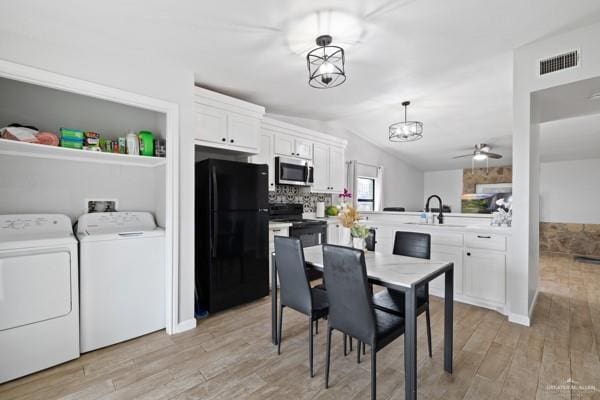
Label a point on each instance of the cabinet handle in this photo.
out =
(224, 140)
(231, 140)
(276, 230)
(271, 184)
(468, 253)
(292, 153)
(484, 237)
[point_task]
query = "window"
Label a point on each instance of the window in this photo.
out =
(365, 194)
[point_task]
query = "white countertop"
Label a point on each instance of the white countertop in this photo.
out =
(418, 213)
(279, 225)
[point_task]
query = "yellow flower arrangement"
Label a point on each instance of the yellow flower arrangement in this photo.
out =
(348, 216)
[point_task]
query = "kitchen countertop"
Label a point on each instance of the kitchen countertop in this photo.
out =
(279, 225)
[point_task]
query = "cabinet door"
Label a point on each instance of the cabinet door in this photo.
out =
(453, 254)
(321, 164)
(303, 148)
(243, 131)
(337, 169)
(284, 145)
(265, 156)
(333, 234)
(485, 275)
(211, 124)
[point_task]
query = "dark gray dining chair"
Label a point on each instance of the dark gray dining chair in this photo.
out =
(411, 244)
(295, 291)
(351, 309)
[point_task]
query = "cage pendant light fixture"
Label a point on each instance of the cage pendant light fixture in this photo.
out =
(406, 131)
(325, 64)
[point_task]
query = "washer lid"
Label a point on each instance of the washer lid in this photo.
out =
(125, 223)
(25, 227)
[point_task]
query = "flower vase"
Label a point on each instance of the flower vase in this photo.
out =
(358, 243)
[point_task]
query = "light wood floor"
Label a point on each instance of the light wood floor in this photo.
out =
(230, 356)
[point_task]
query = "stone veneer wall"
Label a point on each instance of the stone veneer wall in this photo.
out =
(480, 175)
(294, 194)
(571, 239)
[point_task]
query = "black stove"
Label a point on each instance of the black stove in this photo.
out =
(311, 232)
(292, 213)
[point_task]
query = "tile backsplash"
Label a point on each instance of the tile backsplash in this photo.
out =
(296, 194)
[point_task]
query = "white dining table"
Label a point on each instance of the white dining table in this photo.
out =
(401, 273)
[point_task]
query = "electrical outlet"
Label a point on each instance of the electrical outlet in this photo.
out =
(101, 205)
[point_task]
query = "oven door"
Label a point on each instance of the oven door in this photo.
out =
(289, 171)
(310, 235)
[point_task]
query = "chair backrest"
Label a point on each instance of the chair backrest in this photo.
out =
(293, 282)
(348, 294)
(413, 244)
(370, 240)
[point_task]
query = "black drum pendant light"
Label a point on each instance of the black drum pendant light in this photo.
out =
(406, 131)
(325, 64)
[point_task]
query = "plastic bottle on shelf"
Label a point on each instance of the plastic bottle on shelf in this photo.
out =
(133, 145)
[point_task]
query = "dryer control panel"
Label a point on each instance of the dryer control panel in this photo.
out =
(19, 226)
(113, 222)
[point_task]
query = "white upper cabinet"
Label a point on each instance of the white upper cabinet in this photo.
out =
(321, 158)
(337, 175)
(266, 155)
(329, 168)
(292, 146)
(325, 151)
(227, 123)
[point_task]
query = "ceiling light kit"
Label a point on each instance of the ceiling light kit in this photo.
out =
(481, 152)
(325, 64)
(406, 131)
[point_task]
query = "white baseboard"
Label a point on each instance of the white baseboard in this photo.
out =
(185, 325)
(532, 307)
(519, 319)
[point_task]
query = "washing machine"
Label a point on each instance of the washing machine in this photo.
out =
(122, 277)
(39, 300)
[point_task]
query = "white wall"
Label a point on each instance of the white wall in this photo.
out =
(402, 183)
(55, 186)
(447, 184)
(522, 274)
(570, 191)
(136, 72)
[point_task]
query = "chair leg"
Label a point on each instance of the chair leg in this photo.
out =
(279, 329)
(428, 320)
(363, 349)
(358, 351)
(328, 355)
(373, 374)
(310, 345)
(345, 343)
(317, 327)
(350, 344)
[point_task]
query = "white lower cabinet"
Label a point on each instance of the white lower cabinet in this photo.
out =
(337, 234)
(448, 253)
(272, 233)
(485, 275)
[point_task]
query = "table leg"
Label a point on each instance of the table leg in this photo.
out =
(448, 318)
(273, 300)
(410, 344)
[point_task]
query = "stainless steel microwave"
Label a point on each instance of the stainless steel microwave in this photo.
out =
(293, 171)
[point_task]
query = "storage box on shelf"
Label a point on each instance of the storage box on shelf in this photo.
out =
(227, 123)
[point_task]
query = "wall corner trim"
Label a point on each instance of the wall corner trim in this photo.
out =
(186, 325)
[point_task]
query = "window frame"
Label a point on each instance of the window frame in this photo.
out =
(370, 200)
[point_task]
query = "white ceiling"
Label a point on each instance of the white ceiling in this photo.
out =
(452, 59)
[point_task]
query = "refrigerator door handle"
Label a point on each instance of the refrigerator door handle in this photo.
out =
(215, 219)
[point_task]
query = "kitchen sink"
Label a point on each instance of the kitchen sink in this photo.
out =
(439, 225)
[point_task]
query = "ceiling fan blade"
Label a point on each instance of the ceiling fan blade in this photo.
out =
(492, 155)
(465, 155)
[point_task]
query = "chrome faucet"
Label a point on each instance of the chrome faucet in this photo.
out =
(440, 217)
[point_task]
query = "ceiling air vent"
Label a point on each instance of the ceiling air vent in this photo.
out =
(560, 62)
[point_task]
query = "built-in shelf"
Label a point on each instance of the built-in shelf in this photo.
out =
(24, 149)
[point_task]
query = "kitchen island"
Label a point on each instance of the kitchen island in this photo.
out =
(480, 252)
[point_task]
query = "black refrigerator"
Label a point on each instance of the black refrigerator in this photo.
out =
(231, 234)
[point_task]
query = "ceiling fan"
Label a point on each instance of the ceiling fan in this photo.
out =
(481, 152)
